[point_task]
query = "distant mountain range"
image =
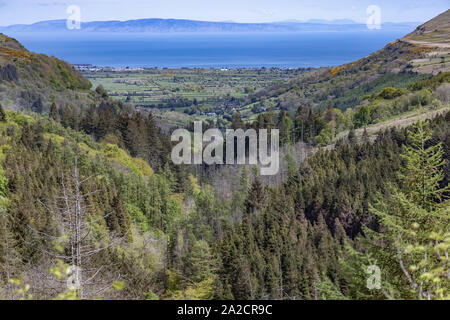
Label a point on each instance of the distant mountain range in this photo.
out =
(322, 21)
(180, 25)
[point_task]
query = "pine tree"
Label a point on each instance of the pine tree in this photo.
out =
(54, 114)
(256, 198)
(237, 122)
(67, 117)
(199, 262)
(415, 223)
(241, 192)
(285, 127)
(90, 120)
(2, 114)
(352, 136)
(27, 135)
(423, 170)
(153, 141)
(9, 256)
(299, 124)
(10, 259)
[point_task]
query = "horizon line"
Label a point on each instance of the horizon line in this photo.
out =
(293, 21)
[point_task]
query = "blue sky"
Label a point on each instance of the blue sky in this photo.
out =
(29, 11)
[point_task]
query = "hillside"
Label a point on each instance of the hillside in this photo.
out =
(345, 86)
(153, 243)
(398, 64)
(437, 30)
(433, 35)
(33, 81)
(37, 161)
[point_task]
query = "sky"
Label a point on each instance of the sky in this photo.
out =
(30, 11)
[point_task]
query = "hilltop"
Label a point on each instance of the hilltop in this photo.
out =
(34, 81)
(436, 31)
(434, 36)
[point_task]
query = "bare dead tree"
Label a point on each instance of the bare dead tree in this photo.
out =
(75, 224)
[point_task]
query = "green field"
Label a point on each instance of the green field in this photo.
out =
(193, 91)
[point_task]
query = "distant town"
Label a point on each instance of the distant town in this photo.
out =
(90, 67)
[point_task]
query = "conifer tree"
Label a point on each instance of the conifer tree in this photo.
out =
(199, 262)
(2, 114)
(285, 127)
(237, 122)
(256, 197)
(54, 112)
(415, 224)
(299, 124)
(240, 195)
(90, 120)
(352, 136)
(9, 256)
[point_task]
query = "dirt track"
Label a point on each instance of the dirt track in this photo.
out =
(404, 121)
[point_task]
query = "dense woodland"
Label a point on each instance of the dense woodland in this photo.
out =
(153, 230)
(87, 181)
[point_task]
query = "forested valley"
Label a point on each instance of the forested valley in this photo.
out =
(88, 181)
(165, 235)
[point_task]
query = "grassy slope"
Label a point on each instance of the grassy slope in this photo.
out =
(435, 35)
(39, 77)
(437, 30)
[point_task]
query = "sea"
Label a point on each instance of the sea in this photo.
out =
(193, 50)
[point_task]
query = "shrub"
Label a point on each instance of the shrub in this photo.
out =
(443, 92)
(101, 91)
(390, 93)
